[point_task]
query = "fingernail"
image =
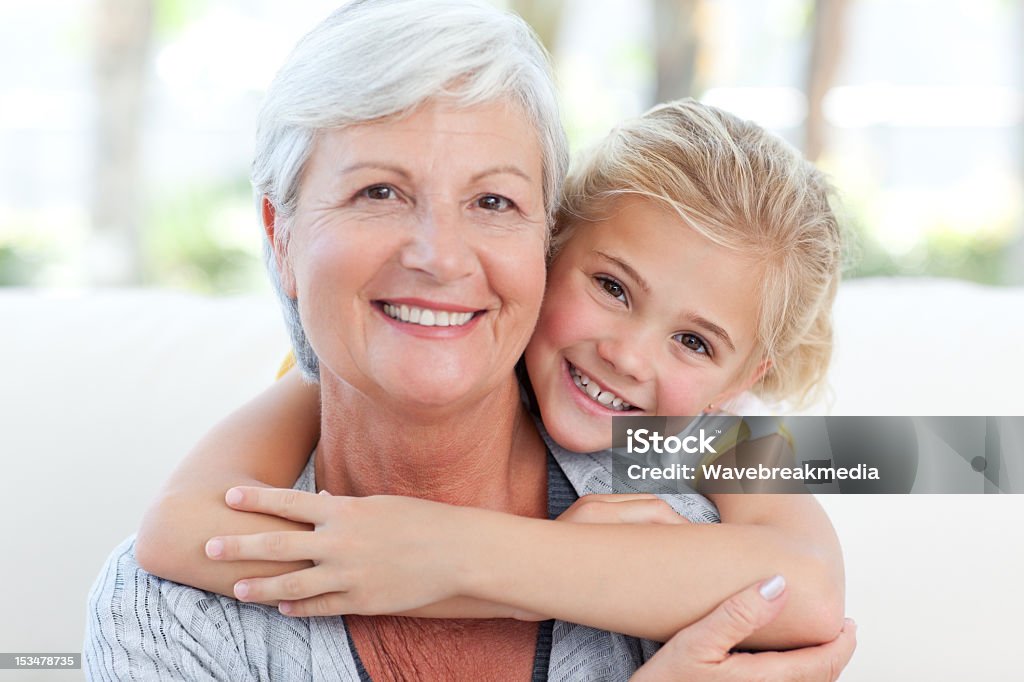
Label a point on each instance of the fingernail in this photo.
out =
(284, 607)
(241, 590)
(214, 548)
(324, 492)
(233, 496)
(770, 589)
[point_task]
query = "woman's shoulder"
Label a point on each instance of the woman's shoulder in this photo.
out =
(139, 624)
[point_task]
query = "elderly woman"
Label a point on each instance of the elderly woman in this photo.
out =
(409, 154)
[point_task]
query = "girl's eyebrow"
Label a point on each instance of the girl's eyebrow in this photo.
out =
(693, 317)
(713, 328)
(627, 268)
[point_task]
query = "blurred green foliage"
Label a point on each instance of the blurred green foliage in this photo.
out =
(981, 257)
(171, 16)
(205, 239)
(16, 265)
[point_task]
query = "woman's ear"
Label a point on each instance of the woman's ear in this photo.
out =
(278, 245)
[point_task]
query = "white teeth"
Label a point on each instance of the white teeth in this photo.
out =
(426, 317)
(606, 398)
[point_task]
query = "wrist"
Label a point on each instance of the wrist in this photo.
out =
(484, 553)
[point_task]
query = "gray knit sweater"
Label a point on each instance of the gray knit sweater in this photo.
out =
(141, 627)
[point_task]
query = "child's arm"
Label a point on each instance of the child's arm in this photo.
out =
(267, 442)
(646, 580)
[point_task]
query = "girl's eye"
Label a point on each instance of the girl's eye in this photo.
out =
(379, 192)
(693, 342)
(494, 202)
(612, 288)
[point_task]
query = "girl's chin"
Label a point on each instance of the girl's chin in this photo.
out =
(576, 439)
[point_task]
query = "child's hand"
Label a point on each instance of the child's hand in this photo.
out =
(372, 555)
(634, 508)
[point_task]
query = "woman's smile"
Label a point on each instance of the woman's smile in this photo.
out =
(430, 319)
(417, 287)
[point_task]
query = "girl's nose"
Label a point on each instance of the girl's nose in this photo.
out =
(626, 353)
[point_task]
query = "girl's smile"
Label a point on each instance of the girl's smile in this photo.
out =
(642, 315)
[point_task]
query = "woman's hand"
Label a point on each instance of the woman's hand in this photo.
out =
(372, 555)
(704, 650)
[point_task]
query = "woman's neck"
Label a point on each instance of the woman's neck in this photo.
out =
(488, 455)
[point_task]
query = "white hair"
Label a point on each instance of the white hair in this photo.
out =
(376, 58)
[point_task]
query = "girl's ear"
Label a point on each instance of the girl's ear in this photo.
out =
(278, 246)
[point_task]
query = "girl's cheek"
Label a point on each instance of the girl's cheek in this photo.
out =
(572, 318)
(681, 397)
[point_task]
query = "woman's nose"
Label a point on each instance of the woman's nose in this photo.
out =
(626, 353)
(439, 246)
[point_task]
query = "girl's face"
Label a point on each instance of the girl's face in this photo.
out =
(642, 316)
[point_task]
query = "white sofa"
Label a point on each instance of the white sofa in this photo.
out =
(103, 391)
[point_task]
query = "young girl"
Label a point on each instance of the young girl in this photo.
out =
(695, 262)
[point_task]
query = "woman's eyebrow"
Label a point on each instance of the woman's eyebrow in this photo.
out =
(499, 170)
(374, 165)
(627, 268)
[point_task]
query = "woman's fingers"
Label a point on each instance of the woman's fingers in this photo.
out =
(295, 545)
(302, 584)
(289, 504)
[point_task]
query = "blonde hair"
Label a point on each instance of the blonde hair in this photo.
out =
(746, 190)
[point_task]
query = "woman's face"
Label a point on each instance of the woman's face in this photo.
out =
(417, 253)
(643, 316)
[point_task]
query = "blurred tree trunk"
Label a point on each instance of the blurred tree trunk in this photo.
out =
(677, 40)
(123, 34)
(545, 16)
(827, 37)
(1015, 258)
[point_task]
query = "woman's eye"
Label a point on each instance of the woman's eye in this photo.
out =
(379, 192)
(494, 202)
(612, 288)
(693, 342)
